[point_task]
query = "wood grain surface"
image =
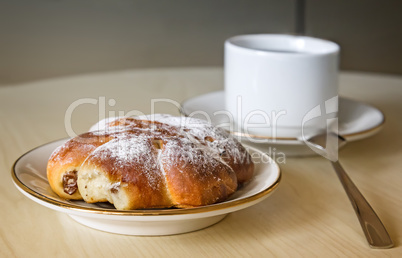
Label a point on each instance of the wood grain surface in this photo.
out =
(308, 216)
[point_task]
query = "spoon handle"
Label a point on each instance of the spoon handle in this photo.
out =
(375, 232)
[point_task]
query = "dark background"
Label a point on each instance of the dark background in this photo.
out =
(49, 38)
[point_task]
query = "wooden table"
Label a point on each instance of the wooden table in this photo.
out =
(309, 214)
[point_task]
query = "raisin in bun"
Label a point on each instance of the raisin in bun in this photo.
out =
(141, 163)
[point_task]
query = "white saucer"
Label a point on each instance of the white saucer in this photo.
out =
(29, 176)
(355, 120)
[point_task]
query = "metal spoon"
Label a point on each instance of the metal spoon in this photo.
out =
(327, 145)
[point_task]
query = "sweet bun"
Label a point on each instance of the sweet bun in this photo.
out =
(150, 162)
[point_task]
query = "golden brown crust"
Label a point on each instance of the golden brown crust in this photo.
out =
(143, 181)
(69, 157)
(241, 163)
(210, 184)
(139, 163)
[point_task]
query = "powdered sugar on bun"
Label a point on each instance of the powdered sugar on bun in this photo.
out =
(156, 161)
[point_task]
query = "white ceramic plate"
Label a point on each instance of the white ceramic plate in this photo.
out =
(356, 121)
(29, 176)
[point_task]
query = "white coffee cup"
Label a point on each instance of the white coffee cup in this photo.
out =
(273, 81)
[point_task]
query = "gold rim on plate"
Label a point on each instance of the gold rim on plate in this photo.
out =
(153, 212)
(346, 136)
